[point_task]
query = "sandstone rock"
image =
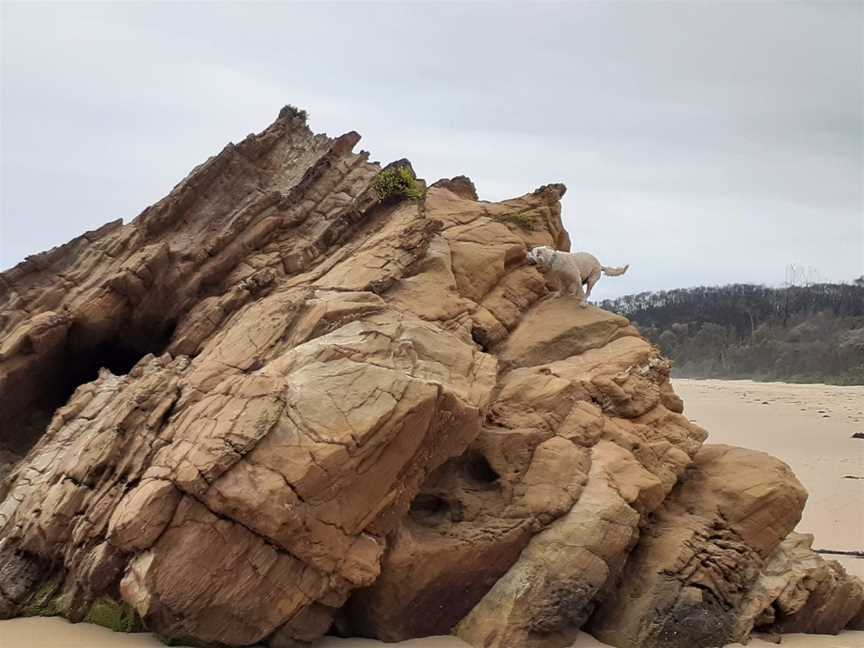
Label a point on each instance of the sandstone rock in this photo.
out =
(702, 552)
(303, 388)
(282, 396)
(555, 458)
(799, 591)
(549, 593)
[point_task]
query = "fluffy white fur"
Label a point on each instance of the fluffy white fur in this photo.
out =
(569, 271)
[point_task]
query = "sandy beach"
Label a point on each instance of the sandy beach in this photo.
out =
(58, 633)
(808, 426)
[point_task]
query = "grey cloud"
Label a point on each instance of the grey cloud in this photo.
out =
(702, 143)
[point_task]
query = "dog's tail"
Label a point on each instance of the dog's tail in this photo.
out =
(614, 272)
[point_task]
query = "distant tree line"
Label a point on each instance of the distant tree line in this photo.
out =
(811, 333)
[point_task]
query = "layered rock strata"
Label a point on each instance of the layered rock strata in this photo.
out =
(304, 393)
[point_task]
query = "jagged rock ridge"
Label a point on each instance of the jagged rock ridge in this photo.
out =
(303, 393)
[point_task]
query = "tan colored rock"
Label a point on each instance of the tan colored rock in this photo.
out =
(319, 366)
(799, 591)
(143, 514)
(180, 584)
(554, 460)
(296, 414)
(277, 399)
(558, 329)
(549, 593)
(702, 553)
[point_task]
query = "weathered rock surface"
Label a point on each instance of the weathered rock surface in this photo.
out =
(287, 394)
(799, 591)
(555, 458)
(702, 552)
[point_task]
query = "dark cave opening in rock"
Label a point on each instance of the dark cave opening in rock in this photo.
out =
(429, 510)
(481, 338)
(29, 405)
(477, 468)
(425, 503)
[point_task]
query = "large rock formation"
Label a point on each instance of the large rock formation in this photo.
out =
(302, 393)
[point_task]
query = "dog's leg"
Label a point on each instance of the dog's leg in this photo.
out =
(558, 285)
(554, 279)
(575, 288)
(573, 285)
(592, 279)
(580, 295)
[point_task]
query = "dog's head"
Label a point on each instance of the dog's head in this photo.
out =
(540, 256)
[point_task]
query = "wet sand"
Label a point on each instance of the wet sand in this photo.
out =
(808, 426)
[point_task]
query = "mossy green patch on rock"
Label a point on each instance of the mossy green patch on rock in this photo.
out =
(46, 601)
(519, 219)
(397, 182)
(118, 616)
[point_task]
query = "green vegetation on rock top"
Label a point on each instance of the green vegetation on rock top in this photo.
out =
(519, 219)
(396, 182)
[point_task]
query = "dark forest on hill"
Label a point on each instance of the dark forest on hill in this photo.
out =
(812, 333)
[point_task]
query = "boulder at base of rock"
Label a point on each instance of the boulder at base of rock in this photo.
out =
(702, 552)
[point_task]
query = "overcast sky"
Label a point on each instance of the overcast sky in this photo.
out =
(701, 143)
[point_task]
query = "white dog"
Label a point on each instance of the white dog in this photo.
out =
(569, 271)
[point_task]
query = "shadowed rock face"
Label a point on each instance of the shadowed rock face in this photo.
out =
(283, 396)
